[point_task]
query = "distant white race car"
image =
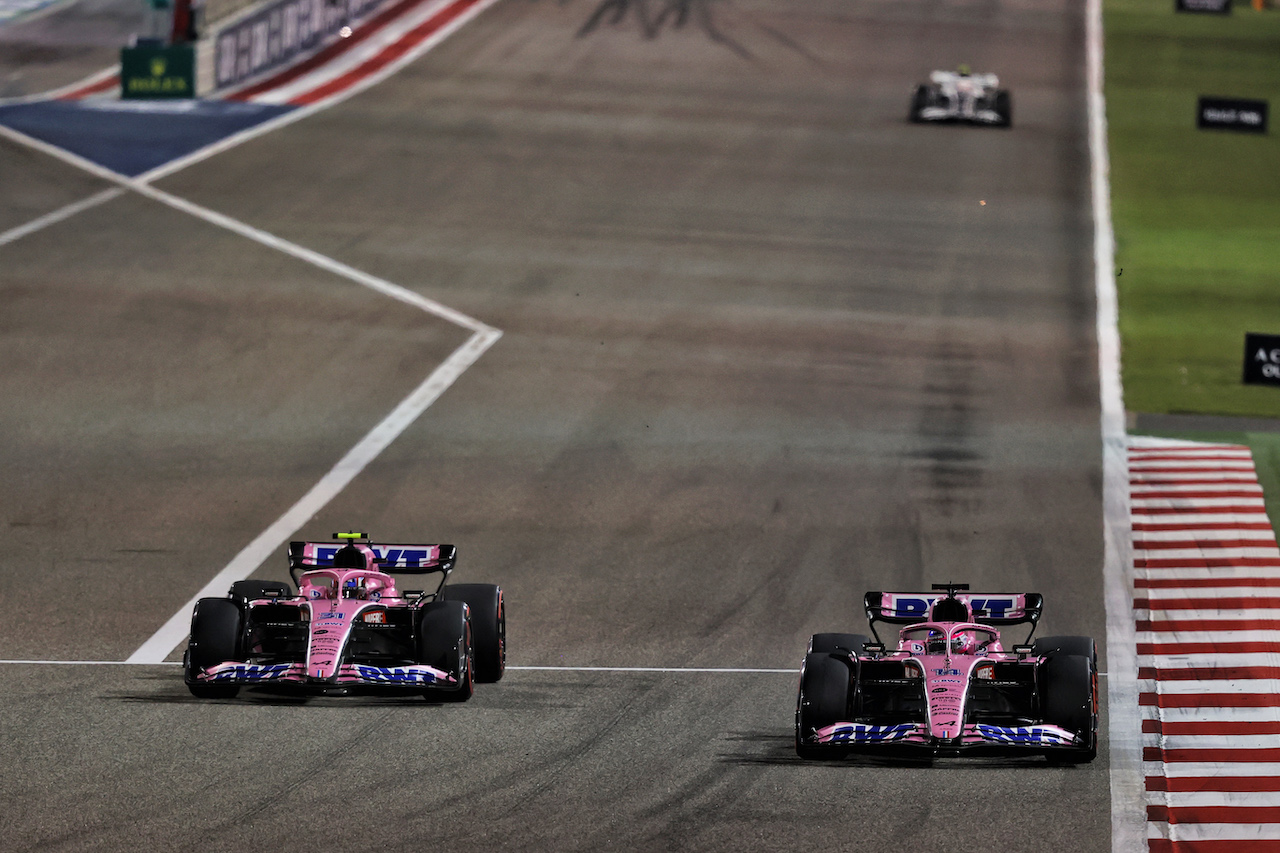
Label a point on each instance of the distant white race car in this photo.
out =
(961, 96)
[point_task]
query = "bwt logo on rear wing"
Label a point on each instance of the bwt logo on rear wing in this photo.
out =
(904, 608)
(411, 559)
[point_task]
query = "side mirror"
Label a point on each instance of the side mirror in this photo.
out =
(1022, 650)
(873, 648)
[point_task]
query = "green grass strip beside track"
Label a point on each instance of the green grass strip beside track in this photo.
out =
(1196, 214)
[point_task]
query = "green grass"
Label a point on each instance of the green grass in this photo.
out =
(1196, 213)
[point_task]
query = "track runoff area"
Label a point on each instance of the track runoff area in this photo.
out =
(1204, 557)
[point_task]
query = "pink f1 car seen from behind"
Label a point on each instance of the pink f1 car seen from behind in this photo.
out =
(949, 687)
(349, 628)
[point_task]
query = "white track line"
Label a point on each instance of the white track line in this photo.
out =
(670, 669)
(1128, 806)
(165, 640)
(171, 634)
(746, 670)
(59, 215)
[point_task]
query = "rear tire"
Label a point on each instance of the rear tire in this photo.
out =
(216, 626)
(823, 699)
(1067, 645)
(488, 626)
(918, 102)
(444, 642)
(837, 643)
(1069, 698)
(242, 592)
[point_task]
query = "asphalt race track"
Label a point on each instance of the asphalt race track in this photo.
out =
(765, 346)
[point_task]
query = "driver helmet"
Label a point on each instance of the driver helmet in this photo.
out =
(350, 557)
(964, 642)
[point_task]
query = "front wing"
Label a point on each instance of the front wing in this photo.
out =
(977, 738)
(348, 675)
(978, 116)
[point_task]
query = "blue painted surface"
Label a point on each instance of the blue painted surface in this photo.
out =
(133, 137)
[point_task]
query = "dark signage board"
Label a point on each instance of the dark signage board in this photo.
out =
(158, 71)
(1210, 7)
(1261, 359)
(1232, 114)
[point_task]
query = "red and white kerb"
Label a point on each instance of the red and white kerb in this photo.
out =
(1207, 605)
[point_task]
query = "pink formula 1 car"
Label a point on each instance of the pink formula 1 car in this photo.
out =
(349, 627)
(948, 686)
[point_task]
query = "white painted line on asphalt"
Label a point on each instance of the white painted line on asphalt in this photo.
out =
(1124, 723)
(166, 639)
(58, 215)
(70, 159)
(271, 540)
(324, 262)
(74, 663)
(510, 668)
(749, 670)
(671, 669)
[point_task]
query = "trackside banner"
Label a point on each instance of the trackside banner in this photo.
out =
(1261, 359)
(1239, 114)
(280, 32)
(1211, 7)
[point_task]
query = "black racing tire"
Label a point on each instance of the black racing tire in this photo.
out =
(919, 101)
(823, 699)
(488, 626)
(242, 592)
(444, 642)
(1066, 645)
(837, 643)
(216, 626)
(1004, 107)
(1069, 698)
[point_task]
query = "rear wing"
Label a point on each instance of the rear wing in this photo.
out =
(397, 559)
(995, 609)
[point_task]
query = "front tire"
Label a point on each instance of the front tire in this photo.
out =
(823, 699)
(919, 101)
(216, 626)
(444, 642)
(1069, 698)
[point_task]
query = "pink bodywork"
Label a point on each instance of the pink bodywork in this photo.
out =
(332, 615)
(946, 676)
(333, 601)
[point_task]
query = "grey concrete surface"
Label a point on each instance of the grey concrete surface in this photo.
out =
(70, 41)
(765, 347)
